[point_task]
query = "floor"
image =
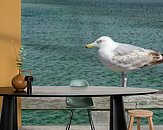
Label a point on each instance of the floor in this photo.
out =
(81, 127)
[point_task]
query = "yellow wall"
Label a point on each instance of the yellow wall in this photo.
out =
(10, 29)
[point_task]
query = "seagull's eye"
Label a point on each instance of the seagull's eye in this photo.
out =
(99, 41)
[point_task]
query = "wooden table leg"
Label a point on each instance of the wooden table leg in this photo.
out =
(9, 113)
(117, 113)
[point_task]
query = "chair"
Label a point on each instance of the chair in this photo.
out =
(79, 103)
(140, 114)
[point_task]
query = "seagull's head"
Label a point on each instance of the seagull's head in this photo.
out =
(101, 42)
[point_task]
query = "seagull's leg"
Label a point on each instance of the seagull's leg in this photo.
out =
(124, 79)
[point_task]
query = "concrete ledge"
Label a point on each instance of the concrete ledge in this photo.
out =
(131, 102)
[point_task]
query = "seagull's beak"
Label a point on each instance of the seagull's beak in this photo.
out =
(90, 45)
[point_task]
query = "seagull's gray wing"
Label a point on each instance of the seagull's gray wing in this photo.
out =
(124, 49)
(133, 57)
(134, 60)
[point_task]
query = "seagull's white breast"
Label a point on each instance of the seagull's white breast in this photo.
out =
(106, 57)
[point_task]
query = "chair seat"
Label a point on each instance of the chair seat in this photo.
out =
(140, 113)
(79, 102)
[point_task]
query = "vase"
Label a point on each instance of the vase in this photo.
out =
(18, 82)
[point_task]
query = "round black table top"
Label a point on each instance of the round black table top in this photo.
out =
(65, 91)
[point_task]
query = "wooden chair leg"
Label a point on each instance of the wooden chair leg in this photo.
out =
(138, 123)
(131, 122)
(151, 127)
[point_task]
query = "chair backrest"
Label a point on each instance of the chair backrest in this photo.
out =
(79, 83)
(79, 102)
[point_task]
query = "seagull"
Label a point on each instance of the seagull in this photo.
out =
(123, 57)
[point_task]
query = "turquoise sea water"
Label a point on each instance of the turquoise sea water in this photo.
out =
(54, 34)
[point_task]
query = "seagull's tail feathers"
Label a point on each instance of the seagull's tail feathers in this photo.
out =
(157, 58)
